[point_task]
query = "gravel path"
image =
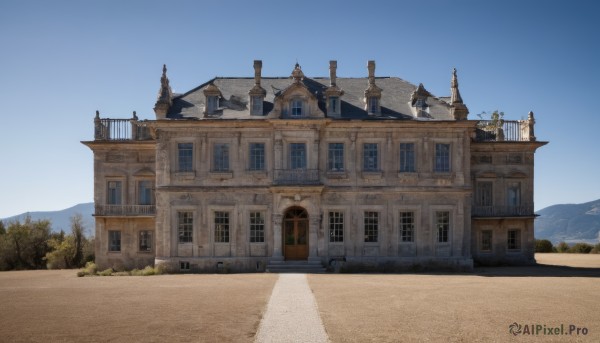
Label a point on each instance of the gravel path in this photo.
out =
(292, 314)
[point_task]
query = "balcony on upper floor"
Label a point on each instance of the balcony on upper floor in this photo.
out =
(500, 130)
(502, 211)
(125, 210)
(106, 129)
(296, 177)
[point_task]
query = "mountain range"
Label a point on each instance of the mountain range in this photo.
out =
(61, 220)
(570, 223)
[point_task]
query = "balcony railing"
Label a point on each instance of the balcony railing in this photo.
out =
(502, 211)
(125, 210)
(120, 129)
(296, 176)
(509, 130)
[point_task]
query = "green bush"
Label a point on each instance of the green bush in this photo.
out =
(596, 249)
(543, 245)
(106, 272)
(581, 248)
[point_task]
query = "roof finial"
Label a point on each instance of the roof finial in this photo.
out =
(459, 109)
(297, 73)
(165, 96)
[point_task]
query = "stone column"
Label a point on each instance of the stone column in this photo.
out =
(277, 249)
(313, 240)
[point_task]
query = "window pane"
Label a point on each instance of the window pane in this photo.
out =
(371, 226)
(257, 227)
(335, 160)
(442, 157)
(514, 240)
(296, 108)
(114, 240)
(333, 104)
(221, 157)
(114, 193)
(297, 156)
(483, 195)
(443, 226)
(221, 227)
(257, 105)
(407, 226)
(145, 241)
(185, 154)
(373, 104)
(257, 156)
(336, 226)
(407, 157)
(514, 194)
(486, 240)
(185, 224)
(370, 162)
(145, 193)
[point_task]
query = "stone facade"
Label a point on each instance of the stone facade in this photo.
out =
(370, 173)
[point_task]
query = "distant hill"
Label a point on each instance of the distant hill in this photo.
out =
(61, 220)
(570, 223)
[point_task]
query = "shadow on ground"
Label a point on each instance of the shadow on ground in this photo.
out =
(539, 270)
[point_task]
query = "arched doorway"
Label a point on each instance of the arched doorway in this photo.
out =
(295, 234)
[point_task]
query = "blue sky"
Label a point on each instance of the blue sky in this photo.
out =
(63, 60)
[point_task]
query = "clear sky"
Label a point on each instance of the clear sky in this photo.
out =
(63, 60)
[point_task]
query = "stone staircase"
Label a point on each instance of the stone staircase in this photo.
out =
(310, 267)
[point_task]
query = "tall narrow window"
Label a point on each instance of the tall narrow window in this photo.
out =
(370, 157)
(114, 193)
(185, 157)
(213, 104)
(442, 221)
(514, 240)
(483, 193)
(114, 240)
(514, 194)
(145, 241)
(296, 108)
(335, 157)
(407, 226)
(334, 105)
(297, 156)
(486, 240)
(145, 193)
(257, 227)
(257, 105)
(407, 157)
(221, 157)
(373, 105)
(221, 227)
(185, 226)
(336, 227)
(257, 156)
(371, 226)
(442, 158)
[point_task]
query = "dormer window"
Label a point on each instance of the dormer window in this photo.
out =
(212, 104)
(373, 105)
(257, 105)
(334, 105)
(296, 108)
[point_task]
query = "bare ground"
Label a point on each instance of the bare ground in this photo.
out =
(57, 306)
(462, 308)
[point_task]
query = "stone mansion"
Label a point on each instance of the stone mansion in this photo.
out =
(248, 173)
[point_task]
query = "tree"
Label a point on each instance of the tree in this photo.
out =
(543, 245)
(581, 248)
(68, 251)
(562, 247)
(24, 245)
(2, 228)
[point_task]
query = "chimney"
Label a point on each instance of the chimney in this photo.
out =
(332, 73)
(257, 71)
(371, 68)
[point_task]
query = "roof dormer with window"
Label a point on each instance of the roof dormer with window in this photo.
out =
(296, 101)
(257, 93)
(419, 102)
(212, 94)
(372, 93)
(333, 93)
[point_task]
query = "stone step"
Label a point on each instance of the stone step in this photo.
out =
(314, 267)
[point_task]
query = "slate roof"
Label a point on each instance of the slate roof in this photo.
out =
(395, 100)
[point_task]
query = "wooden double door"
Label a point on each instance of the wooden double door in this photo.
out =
(295, 234)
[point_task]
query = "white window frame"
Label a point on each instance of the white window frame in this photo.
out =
(294, 105)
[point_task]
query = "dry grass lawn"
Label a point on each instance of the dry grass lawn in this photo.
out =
(462, 308)
(57, 306)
